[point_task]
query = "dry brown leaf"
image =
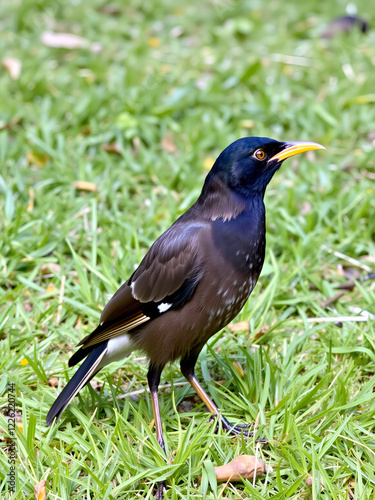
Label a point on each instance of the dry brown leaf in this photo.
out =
(53, 381)
(63, 40)
(85, 186)
(241, 326)
(261, 332)
(96, 385)
(242, 467)
(40, 490)
(50, 267)
(13, 66)
(112, 147)
(37, 159)
(168, 143)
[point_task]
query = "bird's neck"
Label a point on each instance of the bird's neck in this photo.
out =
(218, 201)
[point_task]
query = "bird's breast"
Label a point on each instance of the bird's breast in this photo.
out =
(231, 275)
(241, 241)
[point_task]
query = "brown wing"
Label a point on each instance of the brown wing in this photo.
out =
(170, 271)
(173, 258)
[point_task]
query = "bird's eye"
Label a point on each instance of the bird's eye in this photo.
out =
(259, 154)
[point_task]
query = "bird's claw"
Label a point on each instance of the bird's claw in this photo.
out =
(237, 429)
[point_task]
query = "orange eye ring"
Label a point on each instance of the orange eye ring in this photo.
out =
(259, 154)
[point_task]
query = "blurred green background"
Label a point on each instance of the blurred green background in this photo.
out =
(106, 134)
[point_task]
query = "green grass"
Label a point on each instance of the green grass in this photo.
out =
(222, 70)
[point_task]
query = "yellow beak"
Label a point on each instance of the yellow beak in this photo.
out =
(295, 148)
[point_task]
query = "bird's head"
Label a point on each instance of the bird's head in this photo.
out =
(248, 164)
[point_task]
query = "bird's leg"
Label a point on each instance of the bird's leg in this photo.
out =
(187, 368)
(153, 377)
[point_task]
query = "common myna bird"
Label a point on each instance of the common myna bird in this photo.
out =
(193, 281)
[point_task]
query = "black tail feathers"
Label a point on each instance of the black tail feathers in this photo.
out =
(81, 377)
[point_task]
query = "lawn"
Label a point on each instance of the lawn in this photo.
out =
(103, 145)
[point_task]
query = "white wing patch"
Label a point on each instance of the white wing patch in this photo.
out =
(164, 306)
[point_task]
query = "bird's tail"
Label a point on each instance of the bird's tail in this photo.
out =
(81, 377)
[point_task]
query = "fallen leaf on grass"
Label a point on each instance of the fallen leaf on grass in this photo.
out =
(40, 490)
(50, 267)
(242, 467)
(68, 41)
(168, 143)
(63, 40)
(96, 385)
(85, 186)
(13, 66)
(36, 159)
(53, 381)
(112, 147)
(261, 332)
(241, 326)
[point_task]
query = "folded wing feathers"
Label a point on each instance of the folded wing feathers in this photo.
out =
(107, 331)
(168, 265)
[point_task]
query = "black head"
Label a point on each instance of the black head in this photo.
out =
(248, 164)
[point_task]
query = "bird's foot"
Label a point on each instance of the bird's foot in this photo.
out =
(235, 429)
(238, 429)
